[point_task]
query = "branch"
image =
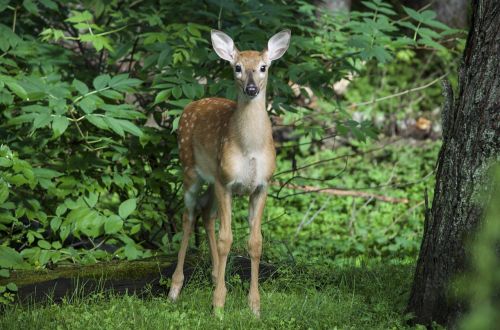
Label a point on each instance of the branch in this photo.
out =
(342, 192)
(411, 90)
(335, 158)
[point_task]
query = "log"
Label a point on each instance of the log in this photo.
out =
(119, 277)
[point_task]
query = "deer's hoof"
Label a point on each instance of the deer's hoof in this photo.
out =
(219, 313)
(254, 305)
(173, 294)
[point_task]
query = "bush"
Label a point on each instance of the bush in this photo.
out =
(87, 173)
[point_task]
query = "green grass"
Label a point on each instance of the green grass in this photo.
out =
(357, 295)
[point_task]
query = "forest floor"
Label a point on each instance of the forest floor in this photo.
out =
(369, 294)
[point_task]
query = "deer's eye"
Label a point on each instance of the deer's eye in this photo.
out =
(237, 68)
(262, 68)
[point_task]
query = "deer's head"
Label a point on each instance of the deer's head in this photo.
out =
(250, 67)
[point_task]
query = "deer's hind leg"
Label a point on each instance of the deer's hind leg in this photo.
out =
(192, 184)
(208, 214)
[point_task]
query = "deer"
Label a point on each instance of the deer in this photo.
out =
(228, 147)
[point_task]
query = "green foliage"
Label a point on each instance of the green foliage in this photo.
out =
(81, 176)
(307, 227)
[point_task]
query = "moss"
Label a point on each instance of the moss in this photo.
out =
(117, 270)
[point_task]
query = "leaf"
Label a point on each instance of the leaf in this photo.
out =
(3, 5)
(123, 83)
(113, 224)
(101, 81)
(131, 128)
(42, 120)
(30, 6)
(17, 180)
(46, 173)
(59, 125)
(115, 125)
(179, 103)
(189, 91)
(131, 252)
(80, 87)
(55, 223)
(164, 58)
(64, 231)
(44, 244)
(4, 272)
(425, 32)
(4, 192)
(17, 89)
(177, 92)
(431, 43)
(111, 94)
(413, 14)
(161, 96)
(428, 15)
(10, 258)
(97, 121)
(49, 4)
(127, 207)
(12, 286)
(80, 17)
(92, 199)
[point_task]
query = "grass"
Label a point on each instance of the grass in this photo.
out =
(357, 295)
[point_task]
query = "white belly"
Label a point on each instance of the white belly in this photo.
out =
(250, 173)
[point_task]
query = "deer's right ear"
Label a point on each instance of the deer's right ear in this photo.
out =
(224, 46)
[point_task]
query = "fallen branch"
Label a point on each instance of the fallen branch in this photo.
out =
(341, 192)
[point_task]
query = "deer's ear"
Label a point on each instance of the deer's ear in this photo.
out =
(224, 46)
(278, 44)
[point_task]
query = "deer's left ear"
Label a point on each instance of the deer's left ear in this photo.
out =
(224, 46)
(278, 44)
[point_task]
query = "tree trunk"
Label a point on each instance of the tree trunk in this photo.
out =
(452, 12)
(471, 143)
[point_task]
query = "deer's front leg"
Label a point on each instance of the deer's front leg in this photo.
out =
(257, 203)
(223, 196)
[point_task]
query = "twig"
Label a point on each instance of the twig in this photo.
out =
(132, 53)
(335, 158)
(342, 192)
(14, 20)
(400, 93)
(304, 223)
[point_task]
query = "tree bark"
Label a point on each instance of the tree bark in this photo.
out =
(471, 143)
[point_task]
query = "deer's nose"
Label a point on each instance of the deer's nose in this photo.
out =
(251, 90)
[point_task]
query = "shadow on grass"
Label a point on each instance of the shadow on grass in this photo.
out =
(356, 295)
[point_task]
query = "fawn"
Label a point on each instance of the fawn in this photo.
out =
(229, 146)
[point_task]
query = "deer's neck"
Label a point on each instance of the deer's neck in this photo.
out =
(250, 124)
